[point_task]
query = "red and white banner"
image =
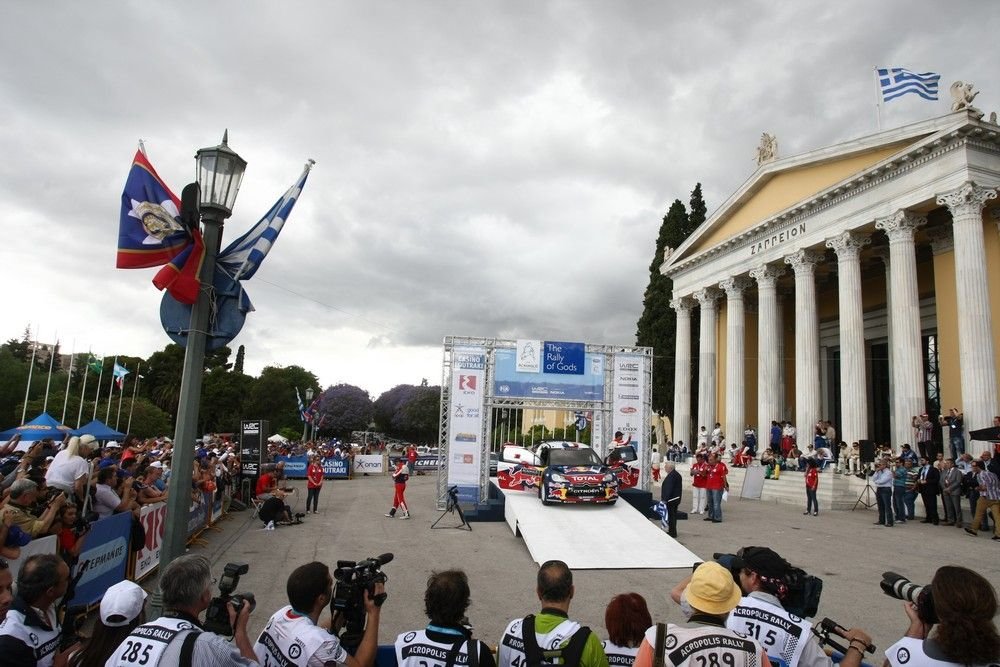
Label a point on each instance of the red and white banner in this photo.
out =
(153, 519)
(628, 413)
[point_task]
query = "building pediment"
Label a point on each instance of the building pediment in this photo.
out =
(788, 185)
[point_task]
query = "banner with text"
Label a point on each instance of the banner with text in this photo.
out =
(153, 519)
(368, 464)
(465, 424)
(566, 372)
(295, 467)
(628, 410)
(103, 558)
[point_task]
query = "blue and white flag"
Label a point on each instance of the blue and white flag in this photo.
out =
(302, 408)
(896, 81)
(242, 257)
(662, 509)
(119, 373)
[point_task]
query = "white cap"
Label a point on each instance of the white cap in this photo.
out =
(155, 464)
(122, 604)
(111, 444)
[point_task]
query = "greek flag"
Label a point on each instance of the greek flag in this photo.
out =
(662, 509)
(302, 408)
(897, 81)
(244, 255)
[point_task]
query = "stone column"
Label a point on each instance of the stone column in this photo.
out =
(909, 391)
(769, 405)
(707, 354)
(853, 383)
(735, 358)
(682, 371)
(975, 319)
(804, 263)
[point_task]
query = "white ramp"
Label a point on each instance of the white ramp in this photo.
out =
(593, 537)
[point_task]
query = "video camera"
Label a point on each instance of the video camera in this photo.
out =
(217, 614)
(804, 590)
(899, 587)
(348, 604)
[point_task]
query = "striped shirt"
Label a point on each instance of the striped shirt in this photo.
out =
(990, 484)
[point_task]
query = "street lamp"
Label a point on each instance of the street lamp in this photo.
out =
(305, 424)
(219, 173)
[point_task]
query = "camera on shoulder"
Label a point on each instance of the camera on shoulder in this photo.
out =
(353, 579)
(217, 614)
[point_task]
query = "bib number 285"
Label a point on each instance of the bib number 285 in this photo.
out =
(136, 652)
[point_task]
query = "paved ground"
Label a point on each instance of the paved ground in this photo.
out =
(843, 548)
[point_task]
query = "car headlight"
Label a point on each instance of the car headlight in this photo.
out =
(609, 478)
(557, 478)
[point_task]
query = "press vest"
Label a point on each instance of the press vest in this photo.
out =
(290, 639)
(43, 643)
(147, 643)
(909, 652)
(782, 635)
(619, 655)
(416, 649)
(511, 650)
(694, 646)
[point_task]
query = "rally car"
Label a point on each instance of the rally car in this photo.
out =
(567, 472)
(576, 475)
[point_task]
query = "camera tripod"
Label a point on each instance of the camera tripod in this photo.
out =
(451, 507)
(867, 494)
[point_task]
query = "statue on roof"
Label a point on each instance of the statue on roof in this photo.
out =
(767, 151)
(963, 95)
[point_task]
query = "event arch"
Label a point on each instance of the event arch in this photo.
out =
(479, 375)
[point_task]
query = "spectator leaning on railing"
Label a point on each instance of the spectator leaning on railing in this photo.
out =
(23, 494)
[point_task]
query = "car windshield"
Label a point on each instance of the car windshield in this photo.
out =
(573, 457)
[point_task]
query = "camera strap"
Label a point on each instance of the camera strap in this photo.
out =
(661, 631)
(187, 648)
(473, 652)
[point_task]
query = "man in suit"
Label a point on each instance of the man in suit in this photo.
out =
(929, 486)
(670, 494)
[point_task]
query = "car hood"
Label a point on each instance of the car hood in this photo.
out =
(579, 470)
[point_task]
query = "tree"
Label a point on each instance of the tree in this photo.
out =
(272, 396)
(658, 323)
(223, 396)
(345, 408)
(241, 353)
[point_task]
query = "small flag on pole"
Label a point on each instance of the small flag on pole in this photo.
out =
(896, 81)
(119, 374)
(302, 408)
(662, 509)
(95, 365)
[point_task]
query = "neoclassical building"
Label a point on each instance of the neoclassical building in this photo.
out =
(858, 283)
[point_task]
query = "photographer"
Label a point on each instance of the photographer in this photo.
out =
(764, 578)
(178, 637)
(293, 636)
(23, 494)
(30, 633)
(446, 640)
(956, 628)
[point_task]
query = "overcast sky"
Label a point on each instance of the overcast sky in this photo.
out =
(483, 168)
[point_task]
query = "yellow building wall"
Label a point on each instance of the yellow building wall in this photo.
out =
(750, 370)
(788, 306)
(787, 188)
(720, 368)
(947, 326)
(992, 237)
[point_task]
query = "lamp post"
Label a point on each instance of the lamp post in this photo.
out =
(219, 172)
(305, 424)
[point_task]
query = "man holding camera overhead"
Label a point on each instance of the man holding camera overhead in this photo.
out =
(764, 580)
(178, 637)
(293, 635)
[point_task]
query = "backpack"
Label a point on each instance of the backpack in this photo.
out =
(536, 657)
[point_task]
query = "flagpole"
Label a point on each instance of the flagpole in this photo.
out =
(69, 376)
(83, 392)
(27, 388)
(135, 389)
(121, 393)
(97, 398)
(878, 100)
(111, 392)
(48, 382)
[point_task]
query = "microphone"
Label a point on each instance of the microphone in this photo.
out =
(382, 559)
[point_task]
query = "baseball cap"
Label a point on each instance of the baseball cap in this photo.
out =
(122, 604)
(155, 464)
(712, 589)
(764, 561)
(111, 444)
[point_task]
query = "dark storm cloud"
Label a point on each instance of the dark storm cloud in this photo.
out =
(493, 169)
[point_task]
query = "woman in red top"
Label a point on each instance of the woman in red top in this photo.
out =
(314, 482)
(699, 474)
(399, 477)
(812, 483)
(715, 484)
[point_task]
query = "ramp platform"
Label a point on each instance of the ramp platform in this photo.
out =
(593, 537)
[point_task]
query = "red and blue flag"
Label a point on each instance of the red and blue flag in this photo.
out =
(150, 232)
